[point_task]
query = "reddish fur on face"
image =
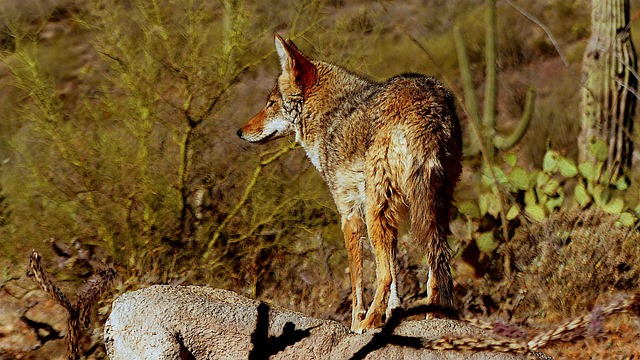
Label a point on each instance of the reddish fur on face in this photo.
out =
(256, 123)
(256, 126)
(260, 129)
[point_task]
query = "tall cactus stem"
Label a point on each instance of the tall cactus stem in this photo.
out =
(485, 127)
(503, 142)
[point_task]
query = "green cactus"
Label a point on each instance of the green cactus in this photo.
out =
(609, 87)
(485, 128)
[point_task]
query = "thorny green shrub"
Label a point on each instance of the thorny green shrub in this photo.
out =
(126, 143)
(569, 231)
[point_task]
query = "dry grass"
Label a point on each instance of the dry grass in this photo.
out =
(572, 260)
(619, 339)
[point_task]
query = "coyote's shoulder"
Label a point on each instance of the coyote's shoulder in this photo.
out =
(350, 111)
(388, 151)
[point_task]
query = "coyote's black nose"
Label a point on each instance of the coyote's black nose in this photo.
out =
(239, 133)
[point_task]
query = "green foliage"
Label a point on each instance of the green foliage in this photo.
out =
(524, 196)
(122, 138)
(114, 165)
(120, 142)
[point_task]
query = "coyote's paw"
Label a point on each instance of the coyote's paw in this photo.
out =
(357, 316)
(373, 330)
(371, 323)
(394, 303)
(366, 329)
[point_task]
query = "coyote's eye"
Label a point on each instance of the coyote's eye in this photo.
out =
(270, 103)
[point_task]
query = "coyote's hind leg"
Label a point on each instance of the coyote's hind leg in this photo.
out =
(383, 239)
(382, 226)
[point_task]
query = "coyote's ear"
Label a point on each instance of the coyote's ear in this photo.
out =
(301, 71)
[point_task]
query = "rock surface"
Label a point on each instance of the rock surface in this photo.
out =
(32, 325)
(191, 322)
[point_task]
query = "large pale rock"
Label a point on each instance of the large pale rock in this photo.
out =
(167, 322)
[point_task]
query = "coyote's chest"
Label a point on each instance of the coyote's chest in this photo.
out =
(313, 153)
(347, 184)
(341, 160)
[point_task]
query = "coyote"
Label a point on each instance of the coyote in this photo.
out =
(387, 151)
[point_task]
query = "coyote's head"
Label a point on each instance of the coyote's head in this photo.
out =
(282, 112)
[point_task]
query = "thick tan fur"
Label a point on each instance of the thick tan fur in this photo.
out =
(388, 152)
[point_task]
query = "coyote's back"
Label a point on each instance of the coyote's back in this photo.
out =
(388, 151)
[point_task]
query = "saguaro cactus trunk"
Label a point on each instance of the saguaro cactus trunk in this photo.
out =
(609, 92)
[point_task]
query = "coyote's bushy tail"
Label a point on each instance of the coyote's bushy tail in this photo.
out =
(432, 178)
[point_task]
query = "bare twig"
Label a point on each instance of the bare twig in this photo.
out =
(78, 311)
(543, 27)
(252, 182)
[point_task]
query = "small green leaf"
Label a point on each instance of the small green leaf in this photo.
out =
(536, 212)
(530, 197)
(470, 209)
(542, 180)
(487, 179)
(511, 159)
(500, 175)
(519, 179)
(551, 188)
(486, 242)
(555, 202)
(533, 176)
(598, 148)
(581, 196)
(587, 171)
(483, 204)
(513, 212)
(550, 161)
(601, 194)
(542, 198)
(628, 219)
(615, 206)
(567, 168)
(489, 204)
(622, 183)
(509, 187)
(598, 170)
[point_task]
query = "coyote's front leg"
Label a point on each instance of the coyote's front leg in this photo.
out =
(353, 229)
